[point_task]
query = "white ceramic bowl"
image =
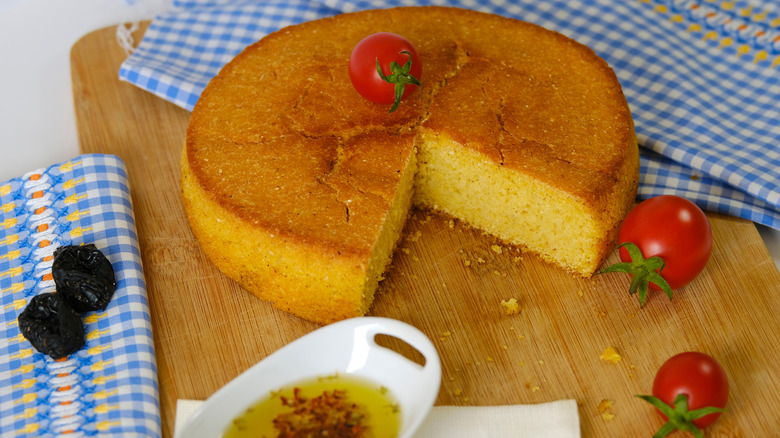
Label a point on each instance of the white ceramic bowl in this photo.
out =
(347, 348)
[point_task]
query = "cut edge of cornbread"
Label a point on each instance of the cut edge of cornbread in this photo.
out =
(571, 232)
(390, 235)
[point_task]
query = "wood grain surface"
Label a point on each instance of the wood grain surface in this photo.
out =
(448, 280)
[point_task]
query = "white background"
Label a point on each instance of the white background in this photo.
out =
(37, 122)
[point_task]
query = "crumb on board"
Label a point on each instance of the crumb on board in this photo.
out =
(605, 409)
(497, 249)
(580, 293)
(510, 307)
(611, 355)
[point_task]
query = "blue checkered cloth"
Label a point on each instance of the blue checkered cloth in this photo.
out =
(109, 387)
(702, 79)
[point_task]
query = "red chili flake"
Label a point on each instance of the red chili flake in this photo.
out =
(329, 414)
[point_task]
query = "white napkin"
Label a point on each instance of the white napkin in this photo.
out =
(558, 419)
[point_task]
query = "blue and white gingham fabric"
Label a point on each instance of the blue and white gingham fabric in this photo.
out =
(109, 387)
(702, 78)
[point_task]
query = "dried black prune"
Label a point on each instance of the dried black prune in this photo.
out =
(51, 326)
(84, 277)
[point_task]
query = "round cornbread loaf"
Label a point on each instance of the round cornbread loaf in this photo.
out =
(298, 188)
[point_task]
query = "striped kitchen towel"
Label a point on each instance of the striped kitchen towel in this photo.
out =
(109, 387)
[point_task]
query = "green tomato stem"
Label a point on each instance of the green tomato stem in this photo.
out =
(643, 272)
(400, 76)
(679, 417)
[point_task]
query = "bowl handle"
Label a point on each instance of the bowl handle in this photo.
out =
(370, 327)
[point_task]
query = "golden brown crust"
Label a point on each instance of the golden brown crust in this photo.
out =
(281, 146)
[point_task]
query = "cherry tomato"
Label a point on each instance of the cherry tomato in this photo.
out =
(665, 243)
(690, 390)
(674, 229)
(399, 62)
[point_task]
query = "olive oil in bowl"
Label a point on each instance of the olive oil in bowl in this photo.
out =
(339, 406)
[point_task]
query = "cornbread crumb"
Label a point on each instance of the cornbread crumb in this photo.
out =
(580, 293)
(605, 407)
(496, 249)
(415, 237)
(611, 355)
(405, 250)
(467, 262)
(480, 260)
(511, 307)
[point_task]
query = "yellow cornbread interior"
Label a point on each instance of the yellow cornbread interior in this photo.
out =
(382, 252)
(507, 204)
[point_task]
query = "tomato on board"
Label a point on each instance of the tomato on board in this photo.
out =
(673, 228)
(382, 66)
(690, 390)
(667, 235)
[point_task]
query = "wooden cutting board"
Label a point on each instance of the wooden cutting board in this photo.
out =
(449, 281)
